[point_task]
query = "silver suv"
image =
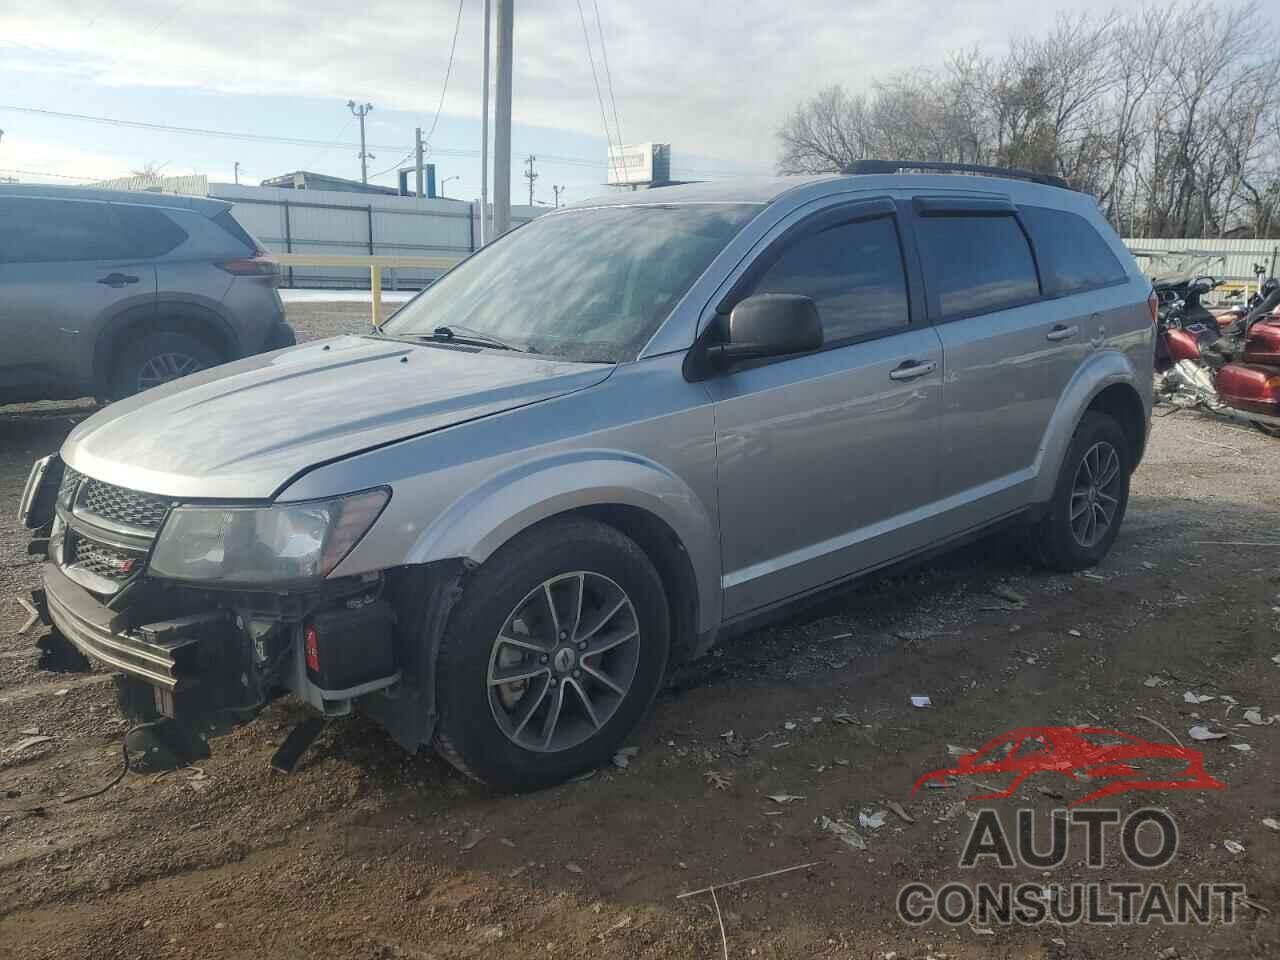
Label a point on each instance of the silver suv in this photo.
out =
(601, 443)
(105, 293)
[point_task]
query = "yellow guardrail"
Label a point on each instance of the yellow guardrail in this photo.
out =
(375, 265)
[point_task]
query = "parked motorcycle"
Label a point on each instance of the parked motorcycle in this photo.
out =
(1235, 370)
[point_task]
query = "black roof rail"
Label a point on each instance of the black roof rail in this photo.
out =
(1013, 173)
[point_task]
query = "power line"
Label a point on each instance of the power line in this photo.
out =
(608, 75)
(301, 141)
(448, 70)
(586, 36)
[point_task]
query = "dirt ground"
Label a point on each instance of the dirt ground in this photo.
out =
(365, 852)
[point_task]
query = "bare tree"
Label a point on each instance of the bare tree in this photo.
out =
(1170, 115)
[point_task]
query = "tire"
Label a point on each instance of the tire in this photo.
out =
(1266, 428)
(157, 358)
(1059, 541)
(496, 732)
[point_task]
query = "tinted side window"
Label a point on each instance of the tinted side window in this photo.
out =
(229, 223)
(38, 231)
(976, 264)
(150, 233)
(854, 273)
(1072, 256)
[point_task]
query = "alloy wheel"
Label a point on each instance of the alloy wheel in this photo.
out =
(1095, 494)
(563, 661)
(165, 367)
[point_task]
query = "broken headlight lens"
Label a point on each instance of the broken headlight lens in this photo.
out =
(258, 546)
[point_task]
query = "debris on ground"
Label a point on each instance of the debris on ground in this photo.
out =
(472, 838)
(1003, 591)
(921, 702)
(1234, 846)
(785, 797)
(1199, 732)
(573, 867)
(721, 781)
(622, 759)
(871, 821)
(1192, 697)
(1156, 681)
(30, 741)
(1254, 716)
(843, 831)
(1271, 823)
(900, 811)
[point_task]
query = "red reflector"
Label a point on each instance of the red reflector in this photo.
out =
(311, 648)
(1153, 304)
(259, 266)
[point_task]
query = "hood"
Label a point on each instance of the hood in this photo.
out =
(245, 429)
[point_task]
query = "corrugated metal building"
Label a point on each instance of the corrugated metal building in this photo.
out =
(1238, 256)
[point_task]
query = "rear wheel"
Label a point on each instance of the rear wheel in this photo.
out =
(1267, 428)
(157, 358)
(552, 656)
(1089, 500)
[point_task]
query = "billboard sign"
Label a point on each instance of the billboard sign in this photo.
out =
(640, 163)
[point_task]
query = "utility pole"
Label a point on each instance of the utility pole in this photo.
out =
(237, 173)
(417, 150)
(362, 111)
(502, 122)
(530, 175)
(559, 189)
(484, 135)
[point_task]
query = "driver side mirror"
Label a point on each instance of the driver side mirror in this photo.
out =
(770, 325)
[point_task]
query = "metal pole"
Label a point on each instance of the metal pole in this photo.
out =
(237, 173)
(502, 123)
(417, 141)
(484, 136)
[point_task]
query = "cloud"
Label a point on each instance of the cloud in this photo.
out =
(713, 78)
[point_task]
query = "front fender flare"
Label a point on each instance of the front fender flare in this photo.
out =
(486, 517)
(1102, 370)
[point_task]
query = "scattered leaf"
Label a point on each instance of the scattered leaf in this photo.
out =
(1271, 823)
(1155, 681)
(785, 797)
(1254, 716)
(721, 781)
(921, 702)
(1233, 846)
(30, 731)
(573, 867)
(28, 742)
(1005, 592)
(843, 831)
(1191, 697)
(472, 838)
(843, 717)
(1075, 633)
(956, 751)
(1242, 747)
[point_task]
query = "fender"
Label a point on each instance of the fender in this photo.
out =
(1101, 370)
(183, 308)
(486, 517)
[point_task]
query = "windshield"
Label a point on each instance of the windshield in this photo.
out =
(590, 285)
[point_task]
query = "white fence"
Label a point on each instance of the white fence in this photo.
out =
(329, 222)
(1239, 256)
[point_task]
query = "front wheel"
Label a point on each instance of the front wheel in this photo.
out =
(1089, 500)
(552, 656)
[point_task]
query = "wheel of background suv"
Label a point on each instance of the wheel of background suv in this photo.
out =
(552, 656)
(1089, 499)
(158, 358)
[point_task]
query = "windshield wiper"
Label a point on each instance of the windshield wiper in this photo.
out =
(462, 334)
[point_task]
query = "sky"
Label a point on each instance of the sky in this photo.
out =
(713, 79)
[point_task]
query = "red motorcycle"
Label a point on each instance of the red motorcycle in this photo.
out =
(1233, 370)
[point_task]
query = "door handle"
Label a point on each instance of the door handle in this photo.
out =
(911, 369)
(1059, 332)
(117, 279)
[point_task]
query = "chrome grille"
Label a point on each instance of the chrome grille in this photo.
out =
(145, 510)
(67, 489)
(104, 561)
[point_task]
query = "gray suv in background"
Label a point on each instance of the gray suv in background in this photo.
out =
(106, 293)
(615, 435)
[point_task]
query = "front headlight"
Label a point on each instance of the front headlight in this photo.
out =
(260, 546)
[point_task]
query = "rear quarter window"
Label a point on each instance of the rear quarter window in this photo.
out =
(150, 233)
(230, 225)
(975, 264)
(1073, 256)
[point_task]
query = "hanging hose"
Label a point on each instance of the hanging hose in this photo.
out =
(124, 768)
